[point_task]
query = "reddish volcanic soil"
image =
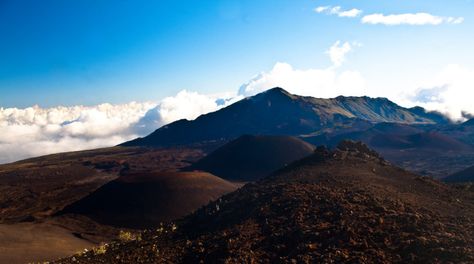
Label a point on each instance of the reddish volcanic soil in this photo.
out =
(40, 187)
(343, 206)
(146, 199)
(33, 191)
(250, 158)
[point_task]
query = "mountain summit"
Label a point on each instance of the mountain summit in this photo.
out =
(277, 112)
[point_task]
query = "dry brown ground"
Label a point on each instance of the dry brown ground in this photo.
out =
(34, 190)
(347, 206)
(33, 242)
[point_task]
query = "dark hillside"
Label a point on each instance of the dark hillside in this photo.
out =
(145, 200)
(249, 158)
(342, 206)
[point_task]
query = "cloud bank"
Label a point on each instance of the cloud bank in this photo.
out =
(185, 105)
(36, 131)
(450, 91)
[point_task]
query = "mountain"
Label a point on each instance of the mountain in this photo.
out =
(249, 158)
(466, 175)
(433, 115)
(463, 132)
(144, 200)
(277, 112)
(343, 206)
(429, 149)
(469, 122)
(401, 136)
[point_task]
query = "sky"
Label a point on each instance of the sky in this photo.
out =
(85, 74)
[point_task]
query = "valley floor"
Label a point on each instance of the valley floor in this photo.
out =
(36, 242)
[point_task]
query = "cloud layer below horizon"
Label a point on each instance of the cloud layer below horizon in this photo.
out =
(35, 131)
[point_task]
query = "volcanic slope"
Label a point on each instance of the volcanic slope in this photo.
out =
(424, 149)
(33, 191)
(403, 136)
(277, 112)
(40, 187)
(250, 158)
(466, 175)
(342, 206)
(143, 200)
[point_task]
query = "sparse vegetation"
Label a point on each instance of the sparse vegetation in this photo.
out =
(102, 249)
(126, 236)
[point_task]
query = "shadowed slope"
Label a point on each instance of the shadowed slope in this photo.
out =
(403, 136)
(466, 175)
(343, 206)
(146, 199)
(431, 150)
(37, 188)
(250, 158)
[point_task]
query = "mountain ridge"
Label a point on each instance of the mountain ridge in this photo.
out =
(277, 112)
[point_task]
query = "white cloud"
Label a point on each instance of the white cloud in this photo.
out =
(311, 82)
(420, 18)
(324, 83)
(321, 9)
(337, 10)
(354, 12)
(410, 19)
(450, 91)
(35, 131)
(185, 105)
(337, 52)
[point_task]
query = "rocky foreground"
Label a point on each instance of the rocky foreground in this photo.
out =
(342, 206)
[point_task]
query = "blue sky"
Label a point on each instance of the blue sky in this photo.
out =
(89, 52)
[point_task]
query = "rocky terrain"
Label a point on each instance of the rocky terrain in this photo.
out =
(34, 225)
(343, 206)
(424, 149)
